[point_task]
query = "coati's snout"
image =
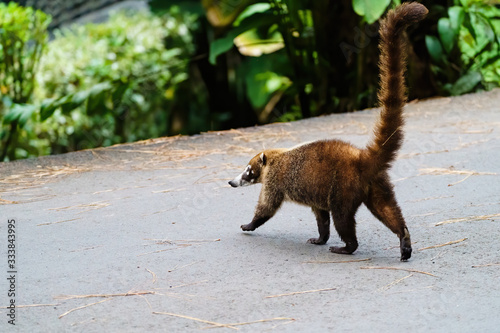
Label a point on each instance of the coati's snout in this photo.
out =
(246, 178)
(251, 174)
(233, 183)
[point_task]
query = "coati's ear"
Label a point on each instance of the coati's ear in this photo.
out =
(263, 159)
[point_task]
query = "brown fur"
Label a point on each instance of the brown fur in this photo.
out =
(335, 177)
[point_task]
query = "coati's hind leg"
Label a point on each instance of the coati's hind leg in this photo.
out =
(381, 201)
(346, 228)
(323, 220)
(269, 203)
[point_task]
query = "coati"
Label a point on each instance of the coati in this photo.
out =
(333, 176)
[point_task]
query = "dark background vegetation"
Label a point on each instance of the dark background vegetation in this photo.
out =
(197, 65)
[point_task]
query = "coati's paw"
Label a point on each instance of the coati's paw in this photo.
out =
(405, 253)
(340, 250)
(247, 227)
(316, 241)
(349, 248)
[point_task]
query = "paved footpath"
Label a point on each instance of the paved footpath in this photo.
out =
(145, 236)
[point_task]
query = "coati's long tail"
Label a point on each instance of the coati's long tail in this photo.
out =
(392, 93)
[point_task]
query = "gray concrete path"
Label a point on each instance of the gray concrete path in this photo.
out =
(145, 236)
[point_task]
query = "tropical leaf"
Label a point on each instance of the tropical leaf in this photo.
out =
(250, 10)
(94, 97)
(457, 16)
(224, 44)
(466, 83)
(222, 13)
(20, 113)
(251, 43)
(446, 34)
(48, 107)
(434, 47)
(370, 10)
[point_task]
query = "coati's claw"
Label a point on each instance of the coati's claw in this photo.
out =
(316, 241)
(247, 227)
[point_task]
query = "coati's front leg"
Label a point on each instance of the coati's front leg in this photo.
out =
(270, 201)
(323, 220)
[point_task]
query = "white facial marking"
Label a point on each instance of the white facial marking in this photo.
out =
(239, 181)
(248, 169)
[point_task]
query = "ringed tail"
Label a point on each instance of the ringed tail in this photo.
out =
(388, 133)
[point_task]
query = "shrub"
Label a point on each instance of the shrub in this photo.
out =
(112, 82)
(23, 36)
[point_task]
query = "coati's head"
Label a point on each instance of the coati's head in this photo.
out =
(252, 173)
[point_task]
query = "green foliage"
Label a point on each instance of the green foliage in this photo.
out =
(119, 87)
(370, 10)
(23, 36)
(252, 21)
(300, 28)
(466, 50)
(263, 78)
(141, 75)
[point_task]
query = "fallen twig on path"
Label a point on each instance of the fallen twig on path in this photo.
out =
(336, 262)
(181, 243)
(31, 305)
(177, 267)
(82, 307)
(153, 274)
(441, 245)
(467, 219)
(132, 293)
(254, 322)
(195, 319)
(301, 292)
(486, 265)
(49, 223)
(399, 269)
(443, 171)
(85, 207)
(395, 282)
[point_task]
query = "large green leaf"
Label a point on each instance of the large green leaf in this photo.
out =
(224, 44)
(264, 76)
(457, 16)
(434, 48)
(93, 96)
(251, 44)
(446, 34)
(48, 107)
(20, 113)
(370, 10)
(466, 83)
(251, 10)
(222, 13)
